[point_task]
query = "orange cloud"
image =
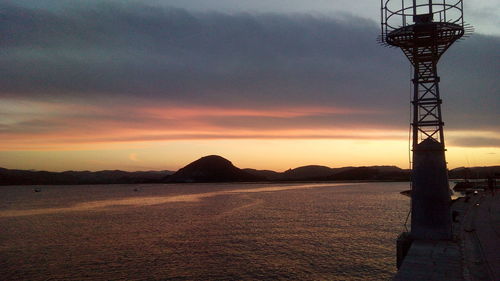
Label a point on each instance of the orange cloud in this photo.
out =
(54, 124)
(67, 126)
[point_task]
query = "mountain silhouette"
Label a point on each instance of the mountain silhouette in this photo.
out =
(29, 177)
(265, 174)
(212, 168)
(308, 172)
(475, 172)
(323, 173)
(375, 173)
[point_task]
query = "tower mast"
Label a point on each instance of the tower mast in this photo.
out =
(424, 30)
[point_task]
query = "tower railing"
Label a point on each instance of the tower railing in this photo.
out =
(399, 14)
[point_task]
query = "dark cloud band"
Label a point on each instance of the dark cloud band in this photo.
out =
(141, 54)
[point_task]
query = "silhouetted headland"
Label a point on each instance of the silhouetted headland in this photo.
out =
(212, 168)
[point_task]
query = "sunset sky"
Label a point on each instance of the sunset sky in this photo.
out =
(275, 84)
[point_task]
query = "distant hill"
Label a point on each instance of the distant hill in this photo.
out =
(374, 173)
(323, 173)
(29, 177)
(475, 172)
(215, 168)
(265, 174)
(310, 172)
(212, 168)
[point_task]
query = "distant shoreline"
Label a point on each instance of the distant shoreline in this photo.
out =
(219, 183)
(38, 178)
(216, 169)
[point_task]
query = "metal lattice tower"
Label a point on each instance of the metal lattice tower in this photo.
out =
(424, 30)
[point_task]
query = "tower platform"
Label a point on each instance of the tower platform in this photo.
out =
(441, 33)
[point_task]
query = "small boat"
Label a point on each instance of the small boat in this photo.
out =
(37, 189)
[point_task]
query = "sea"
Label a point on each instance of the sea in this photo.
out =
(243, 231)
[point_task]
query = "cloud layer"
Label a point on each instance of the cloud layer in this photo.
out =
(143, 68)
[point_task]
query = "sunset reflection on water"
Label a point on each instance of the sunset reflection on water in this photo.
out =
(201, 232)
(147, 201)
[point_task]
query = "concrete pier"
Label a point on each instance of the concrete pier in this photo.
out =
(472, 255)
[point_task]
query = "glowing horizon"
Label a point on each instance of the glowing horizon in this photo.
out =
(94, 137)
(269, 154)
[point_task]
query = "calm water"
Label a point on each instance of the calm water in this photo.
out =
(201, 232)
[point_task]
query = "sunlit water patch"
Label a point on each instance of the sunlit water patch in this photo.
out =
(154, 200)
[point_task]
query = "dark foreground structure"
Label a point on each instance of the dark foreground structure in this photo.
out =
(424, 31)
(435, 248)
(473, 254)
